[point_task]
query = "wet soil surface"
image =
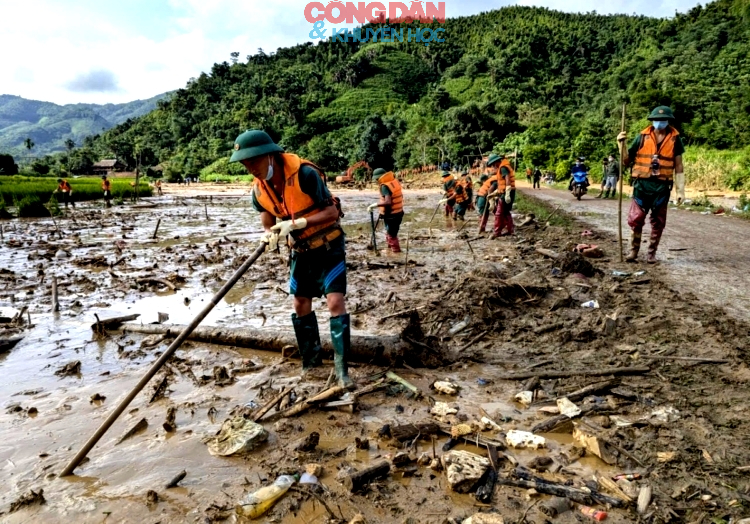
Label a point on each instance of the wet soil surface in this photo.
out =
(706, 254)
(484, 308)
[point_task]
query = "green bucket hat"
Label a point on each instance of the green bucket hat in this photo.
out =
(445, 174)
(493, 159)
(378, 173)
(252, 143)
(661, 113)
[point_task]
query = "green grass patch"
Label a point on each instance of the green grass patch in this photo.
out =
(14, 189)
(707, 168)
(526, 204)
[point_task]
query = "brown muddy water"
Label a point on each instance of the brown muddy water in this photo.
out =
(197, 254)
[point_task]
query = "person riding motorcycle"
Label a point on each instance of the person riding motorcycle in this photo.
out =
(579, 173)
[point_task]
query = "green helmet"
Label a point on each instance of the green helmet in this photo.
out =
(252, 143)
(483, 178)
(493, 159)
(661, 113)
(378, 173)
(445, 174)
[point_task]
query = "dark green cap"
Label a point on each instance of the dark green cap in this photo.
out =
(252, 143)
(483, 178)
(445, 174)
(661, 113)
(378, 173)
(494, 159)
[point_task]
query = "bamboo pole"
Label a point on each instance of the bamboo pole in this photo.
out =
(156, 229)
(162, 360)
(622, 175)
(55, 303)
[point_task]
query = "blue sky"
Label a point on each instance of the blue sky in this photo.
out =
(104, 51)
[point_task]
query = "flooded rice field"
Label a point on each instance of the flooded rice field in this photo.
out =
(656, 378)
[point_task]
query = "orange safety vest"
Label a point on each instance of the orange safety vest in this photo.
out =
(462, 194)
(158, 183)
(649, 148)
(485, 189)
(397, 195)
(64, 186)
(105, 185)
(449, 186)
(501, 180)
(295, 203)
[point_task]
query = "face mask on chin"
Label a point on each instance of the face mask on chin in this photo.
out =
(660, 124)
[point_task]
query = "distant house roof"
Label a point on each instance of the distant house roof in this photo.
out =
(109, 163)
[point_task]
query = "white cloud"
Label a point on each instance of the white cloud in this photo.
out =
(48, 44)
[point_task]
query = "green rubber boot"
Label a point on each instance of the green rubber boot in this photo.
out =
(341, 341)
(308, 340)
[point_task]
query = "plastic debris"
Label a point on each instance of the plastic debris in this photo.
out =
(237, 435)
(667, 415)
(524, 439)
(594, 513)
(593, 304)
(484, 518)
(620, 273)
(308, 479)
(491, 424)
(258, 503)
(443, 409)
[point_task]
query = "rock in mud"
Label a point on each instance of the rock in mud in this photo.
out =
(446, 387)
(169, 424)
(237, 435)
(484, 518)
(524, 440)
(141, 426)
(309, 443)
(96, 397)
(464, 469)
(28, 499)
(69, 369)
(152, 498)
(176, 480)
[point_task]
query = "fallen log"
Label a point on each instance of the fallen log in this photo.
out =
(558, 490)
(114, 321)
(380, 349)
(8, 343)
(359, 480)
(165, 283)
(412, 431)
(635, 370)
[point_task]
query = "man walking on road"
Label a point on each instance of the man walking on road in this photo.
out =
(656, 157)
(537, 178)
(295, 205)
(391, 206)
(611, 177)
(506, 191)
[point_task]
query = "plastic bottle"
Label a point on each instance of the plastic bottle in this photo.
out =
(594, 513)
(258, 503)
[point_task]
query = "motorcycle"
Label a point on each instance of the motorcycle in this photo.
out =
(580, 187)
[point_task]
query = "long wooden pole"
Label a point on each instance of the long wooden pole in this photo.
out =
(622, 175)
(162, 360)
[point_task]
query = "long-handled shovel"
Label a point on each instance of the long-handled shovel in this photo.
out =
(159, 363)
(373, 241)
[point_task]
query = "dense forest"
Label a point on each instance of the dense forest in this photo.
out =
(550, 83)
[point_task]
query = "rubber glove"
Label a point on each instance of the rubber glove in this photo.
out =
(623, 136)
(282, 229)
(443, 201)
(507, 197)
(272, 239)
(371, 207)
(679, 179)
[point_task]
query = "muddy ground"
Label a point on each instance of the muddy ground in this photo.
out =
(682, 425)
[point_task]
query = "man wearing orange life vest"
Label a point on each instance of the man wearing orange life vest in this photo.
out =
(487, 185)
(506, 191)
(63, 187)
(656, 157)
(391, 206)
(463, 193)
(295, 205)
(449, 194)
(107, 190)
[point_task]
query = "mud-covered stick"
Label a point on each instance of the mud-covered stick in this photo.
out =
(433, 217)
(156, 229)
(622, 175)
(162, 360)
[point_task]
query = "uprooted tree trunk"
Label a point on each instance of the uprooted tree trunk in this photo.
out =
(387, 349)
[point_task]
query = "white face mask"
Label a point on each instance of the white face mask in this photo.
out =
(660, 124)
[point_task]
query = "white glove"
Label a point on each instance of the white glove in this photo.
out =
(679, 179)
(283, 229)
(371, 207)
(507, 197)
(623, 136)
(492, 195)
(443, 201)
(272, 239)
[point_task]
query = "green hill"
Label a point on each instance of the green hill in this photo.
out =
(550, 83)
(49, 125)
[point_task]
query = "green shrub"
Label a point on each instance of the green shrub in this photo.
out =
(30, 206)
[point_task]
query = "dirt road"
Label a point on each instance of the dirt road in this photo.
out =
(704, 254)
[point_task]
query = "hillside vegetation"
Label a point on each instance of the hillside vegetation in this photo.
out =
(50, 125)
(550, 83)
